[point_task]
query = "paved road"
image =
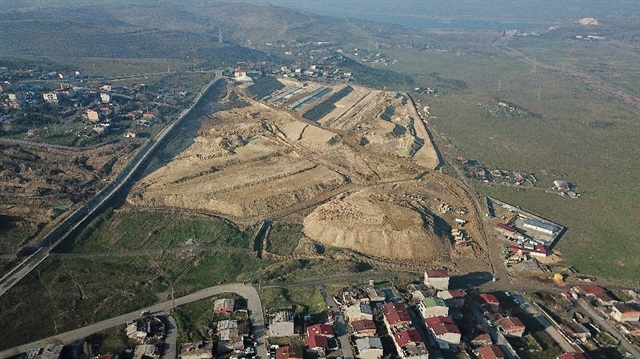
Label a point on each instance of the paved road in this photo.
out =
(170, 342)
(550, 329)
(340, 326)
(76, 219)
(604, 323)
(246, 291)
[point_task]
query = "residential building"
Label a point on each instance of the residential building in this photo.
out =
(317, 343)
(52, 97)
(488, 300)
(437, 278)
(358, 311)
(572, 355)
(395, 315)
(225, 305)
(325, 330)
(289, 352)
(445, 331)
(575, 330)
(624, 312)
(51, 351)
(369, 348)
(375, 295)
(453, 298)
(491, 352)
(481, 340)
(105, 97)
(363, 328)
(131, 134)
(281, 324)
(92, 115)
(409, 344)
(590, 290)
(606, 298)
(511, 326)
(227, 329)
(433, 307)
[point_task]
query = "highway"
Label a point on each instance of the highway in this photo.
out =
(246, 291)
(57, 235)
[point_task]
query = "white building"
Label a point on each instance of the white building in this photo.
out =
(358, 312)
(437, 278)
(51, 97)
(369, 348)
(433, 307)
(105, 97)
(281, 324)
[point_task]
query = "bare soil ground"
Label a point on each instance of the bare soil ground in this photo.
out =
(39, 184)
(361, 178)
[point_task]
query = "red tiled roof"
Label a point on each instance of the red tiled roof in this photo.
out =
(486, 298)
(605, 297)
(316, 341)
(592, 289)
(396, 313)
(320, 329)
(483, 337)
(455, 293)
(289, 352)
(511, 324)
(407, 336)
(572, 355)
(437, 273)
(491, 352)
(363, 325)
(438, 320)
(442, 325)
(507, 227)
(625, 308)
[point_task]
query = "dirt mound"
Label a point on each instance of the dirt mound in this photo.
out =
(588, 21)
(243, 165)
(379, 224)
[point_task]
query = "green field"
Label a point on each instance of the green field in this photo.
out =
(126, 260)
(580, 135)
(283, 238)
(306, 300)
(131, 230)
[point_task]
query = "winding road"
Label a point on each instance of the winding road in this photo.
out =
(246, 291)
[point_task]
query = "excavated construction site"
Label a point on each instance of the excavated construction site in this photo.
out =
(363, 177)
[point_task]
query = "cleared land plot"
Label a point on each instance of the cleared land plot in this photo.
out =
(307, 301)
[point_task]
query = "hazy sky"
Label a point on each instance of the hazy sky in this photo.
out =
(547, 11)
